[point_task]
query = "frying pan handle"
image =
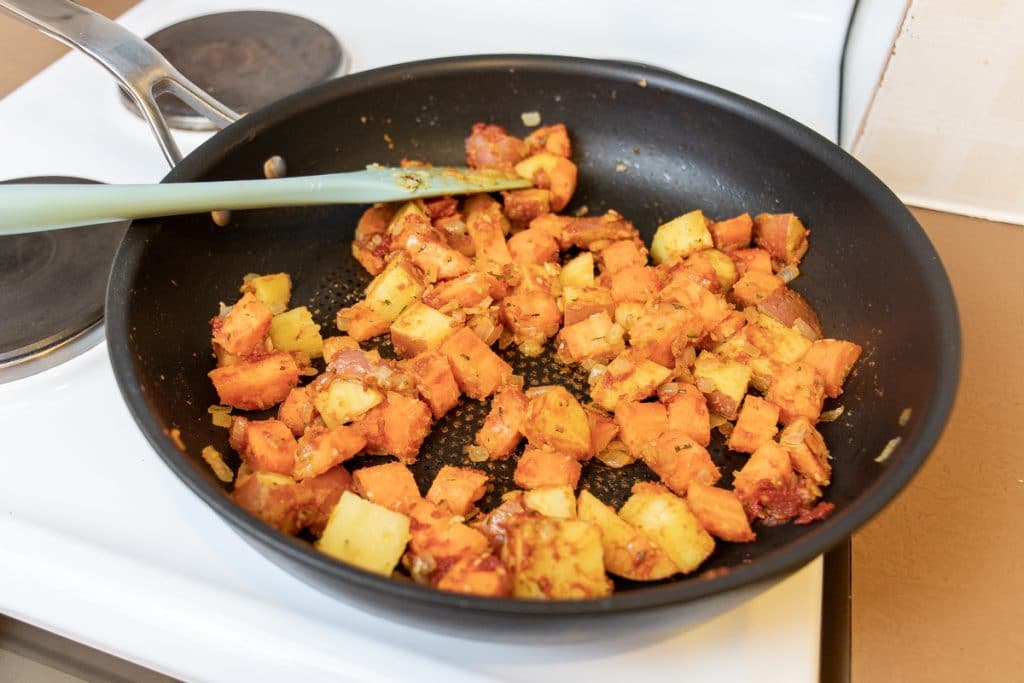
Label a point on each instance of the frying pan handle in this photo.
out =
(143, 71)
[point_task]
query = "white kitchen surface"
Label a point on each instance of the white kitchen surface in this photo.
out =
(104, 545)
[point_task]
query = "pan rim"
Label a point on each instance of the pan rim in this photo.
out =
(815, 541)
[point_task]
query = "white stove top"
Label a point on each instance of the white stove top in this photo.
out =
(104, 545)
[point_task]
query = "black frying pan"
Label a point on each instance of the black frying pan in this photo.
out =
(871, 273)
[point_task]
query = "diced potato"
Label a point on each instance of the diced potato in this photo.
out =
(603, 429)
(628, 552)
(787, 307)
(420, 328)
(295, 330)
(725, 269)
(398, 219)
(502, 428)
(799, 391)
(661, 329)
(627, 313)
(442, 536)
(274, 290)
(393, 290)
(556, 559)
(344, 401)
(533, 246)
(751, 260)
(766, 484)
(688, 413)
(360, 322)
(274, 498)
(424, 248)
(366, 535)
(432, 374)
(325, 491)
(623, 254)
(782, 235)
(397, 427)
(319, 451)
(579, 304)
(636, 283)
(720, 512)
(833, 359)
(627, 378)
(668, 521)
(551, 172)
(754, 287)
(490, 146)
(553, 139)
(269, 447)
(807, 451)
(777, 341)
(756, 426)
(487, 576)
(541, 468)
(553, 501)
(555, 419)
(679, 461)
(594, 232)
(466, 291)
(244, 328)
(522, 206)
(478, 371)
(681, 237)
(297, 410)
(723, 382)
(639, 423)
(697, 299)
(533, 318)
(597, 339)
(578, 271)
(458, 487)
(487, 232)
(734, 233)
(334, 346)
(390, 485)
(257, 384)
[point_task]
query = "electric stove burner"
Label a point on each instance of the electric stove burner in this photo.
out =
(244, 59)
(52, 286)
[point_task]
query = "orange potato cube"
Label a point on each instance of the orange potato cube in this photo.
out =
(592, 231)
(554, 225)
(782, 235)
(734, 233)
(533, 246)
(679, 461)
(766, 484)
(425, 249)
(554, 418)
(720, 512)
(390, 485)
(318, 451)
(439, 534)
(629, 377)
(687, 412)
(243, 330)
(488, 241)
(360, 322)
(542, 467)
(478, 371)
(297, 411)
(269, 447)
(833, 359)
(639, 424)
(466, 291)
(371, 244)
(432, 374)
(502, 428)
(490, 146)
(458, 487)
(597, 339)
(807, 451)
(532, 317)
(256, 384)
(553, 139)
(603, 428)
(483, 575)
(751, 261)
(550, 172)
(697, 299)
(274, 498)
(396, 427)
(623, 254)
(522, 206)
(580, 304)
(756, 425)
(661, 329)
(786, 306)
(799, 391)
(754, 287)
(636, 283)
(325, 490)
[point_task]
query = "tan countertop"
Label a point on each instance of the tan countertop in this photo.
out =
(938, 577)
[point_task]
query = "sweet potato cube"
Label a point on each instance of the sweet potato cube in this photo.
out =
(391, 485)
(627, 378)
(533, 246)
(659, 330)
(486, 576)
(597, 338)
(553, 139)
(765, 484)
(366, 535)
(522, 206)
(581, 303)
(297, 410)
(393, 290)
(556, 559)
(324, 490)
(716, 264)
(485, 230)
(681, 237)
(477, 369)
(256, 384)
(635, 283)
(502, 428)
(756, 425)
(532, 317)
(667, 520)
(466, 291)
(269, 447)
(458, 487)
(688, 413)
(603, 428)
(578, 271)
(720, 512)
(628, 552)
(679, 461)
(551, 172)
(723, 382)
(345, 400)
(787, 307)
(799, 391)
(554, 418)
(442, 535)
(623, 254)
(639, 423)
(833, 359)
(432, 374)
(782, 235)
(754, 287)
(807, 451)
(592, 231)
(396, 427)
(777, 341)
(541, 467)
(276, 499)
(360, 322)
(751, 260)
(319, 451)
(697, 299)
(420, 328)
(734, 233)
(245, 326)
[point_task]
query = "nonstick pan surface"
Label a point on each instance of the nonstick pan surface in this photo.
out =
(649, 144)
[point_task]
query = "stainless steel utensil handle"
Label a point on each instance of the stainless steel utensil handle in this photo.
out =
(142, 70)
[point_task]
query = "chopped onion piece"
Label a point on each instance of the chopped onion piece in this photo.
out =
(477, 453)
(530, 119)
(806, 330)
(668, 390)
(706, 385)
(889, 448)
(832, 415)
(905, 417)
(216, 462)
(788, 273)
(596, 372)
(615, 455)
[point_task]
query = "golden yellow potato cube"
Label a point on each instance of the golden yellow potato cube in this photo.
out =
(397, 222)
(681, 237)
(554, 418)
(552, 501)
(724, 383)
(667, 520)
(393, 290)
(344, 401)
(420, 328)
(779, 342)
(274, 290)
(628, 552)
(365, 534)
(579, 271)
(556, 559)
(295, 330)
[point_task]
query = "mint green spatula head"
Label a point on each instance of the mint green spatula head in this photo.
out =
(33, 208)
